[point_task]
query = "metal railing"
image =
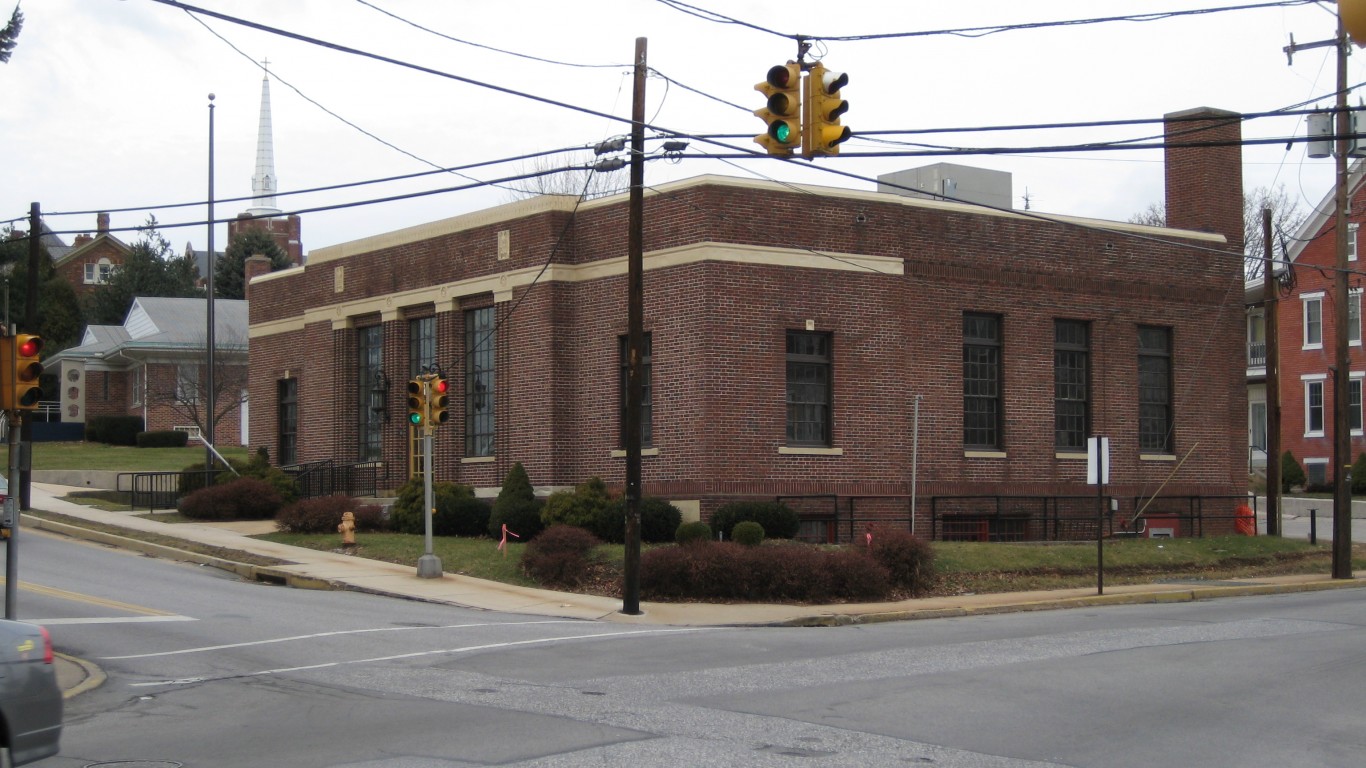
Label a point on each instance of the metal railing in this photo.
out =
(1019, 518)
(162, 490)
(325, 478)
(1256, 354)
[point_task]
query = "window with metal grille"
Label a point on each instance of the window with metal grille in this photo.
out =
(421, 345)
(982, 381)
(808, 388)
(1154, 389)
(1071, 384)
(287, 402)
(646, 409)
(479, 382)
(370, 406)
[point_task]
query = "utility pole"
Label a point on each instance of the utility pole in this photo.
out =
(1342, 437)
(209, 383)
(635, 338)
(1271, 319)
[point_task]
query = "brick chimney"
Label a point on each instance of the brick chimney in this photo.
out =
(256, 264)
(1205, 181)
(101, 224)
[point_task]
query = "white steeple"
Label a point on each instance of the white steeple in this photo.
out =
(263, 183)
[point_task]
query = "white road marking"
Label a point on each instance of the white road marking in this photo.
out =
(314, 636)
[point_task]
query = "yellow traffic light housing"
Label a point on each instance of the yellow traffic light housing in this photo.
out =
(439, 400)
(782, 115)
(822, 132)
(28, 371)
(1353, 15)
(417, 402)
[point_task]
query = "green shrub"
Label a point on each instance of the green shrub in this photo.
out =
(779, 520)
(516, 507)
(1292, 474)
(195, 476)
(588, 506)
(659, 521)
(114, 430)
(695, 531)
(458, 512)
(325, 514)
(908, 560)
(258, 466)
(561, 556)
(245, 498)
(747, 533)
(1359, 474)
(168, 438)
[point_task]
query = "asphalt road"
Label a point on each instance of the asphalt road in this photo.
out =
(207, 670)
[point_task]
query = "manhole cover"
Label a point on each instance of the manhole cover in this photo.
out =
(136, 764)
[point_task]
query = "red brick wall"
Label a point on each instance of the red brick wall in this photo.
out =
(718, 333)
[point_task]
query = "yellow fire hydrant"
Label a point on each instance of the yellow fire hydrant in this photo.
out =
(347, 529)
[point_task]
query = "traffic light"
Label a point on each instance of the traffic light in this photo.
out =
(417, 402)
(1353, 15)
(782, 115)
(821, 130)
(28, 370)
(439, 401)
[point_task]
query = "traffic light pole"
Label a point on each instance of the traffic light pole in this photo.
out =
(429, 565)
(635, 338)
(12, 523)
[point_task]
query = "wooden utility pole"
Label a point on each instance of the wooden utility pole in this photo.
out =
(1270, 316)
(635, 339)
(1342, 437)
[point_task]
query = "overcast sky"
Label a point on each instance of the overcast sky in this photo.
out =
(105, 101)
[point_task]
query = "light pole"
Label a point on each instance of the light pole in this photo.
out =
(209, 406)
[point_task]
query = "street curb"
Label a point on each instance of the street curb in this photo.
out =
(94, 676)
(1089, 601)
(272, 574)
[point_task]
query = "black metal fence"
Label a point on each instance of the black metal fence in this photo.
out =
(832, 518)
(162, 490)
(326, 478)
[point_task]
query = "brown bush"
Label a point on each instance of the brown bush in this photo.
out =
(560, 556)
(324, 514)
(772, 572)
(908, 560)
(245, 498)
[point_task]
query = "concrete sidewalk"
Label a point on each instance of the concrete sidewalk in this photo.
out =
(313, 569)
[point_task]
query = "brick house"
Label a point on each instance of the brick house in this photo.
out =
(1307, 333)
(792, 331)
(90, 259)
(153, 366)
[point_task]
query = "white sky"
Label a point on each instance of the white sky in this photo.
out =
(105, 101)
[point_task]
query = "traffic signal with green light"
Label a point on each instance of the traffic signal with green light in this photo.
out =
(28, 370)
(782, 115)
(439, 400)
(417, 402)
(822, 132)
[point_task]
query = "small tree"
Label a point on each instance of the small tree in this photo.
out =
(187, 392)
(229, 272)
(1292, 473)
(516, 506)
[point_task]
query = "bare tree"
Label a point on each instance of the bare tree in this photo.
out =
(567, 175)
(1286, 218)
(186, 392)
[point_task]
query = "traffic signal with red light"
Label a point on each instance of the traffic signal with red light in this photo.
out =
(417, 402)
(782, 115)
(28, 370)
(822, 132)
(439, 399)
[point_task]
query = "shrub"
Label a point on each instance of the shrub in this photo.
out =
(1292, 474)
(695, 531)
(786, 572)
(560, 556)
(168, 438)
(324, 515)
(115, 430)
(516, 507)
(748, 533)
(779, 520)
(1359, 474)
(908, 560)
(258, 466)
(587, 506)
(659, 521)
(245, 498)
(458, 512)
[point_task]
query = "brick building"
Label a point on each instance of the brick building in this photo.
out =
(1307, 334)
(792, 332)
(91, 259)
(153, 366)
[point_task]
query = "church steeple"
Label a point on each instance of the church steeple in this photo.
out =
(263, 182)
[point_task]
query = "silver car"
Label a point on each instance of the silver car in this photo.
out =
(30, 700)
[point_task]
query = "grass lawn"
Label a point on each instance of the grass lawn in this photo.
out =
(119, 458)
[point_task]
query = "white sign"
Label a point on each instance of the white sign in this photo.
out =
(1097, 460)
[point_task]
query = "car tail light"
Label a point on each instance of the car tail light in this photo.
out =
(47, 645)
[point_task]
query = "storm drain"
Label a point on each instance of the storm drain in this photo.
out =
(136, 764)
